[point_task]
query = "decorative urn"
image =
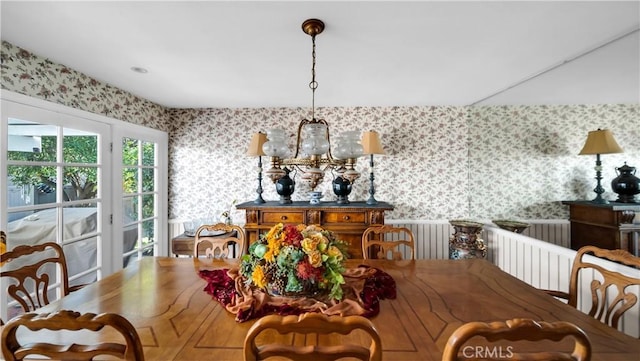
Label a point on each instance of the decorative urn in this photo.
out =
(465, 242)
(285, 187)
(342, 188)
(626, 184)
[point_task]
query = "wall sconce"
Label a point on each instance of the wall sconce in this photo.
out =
(255, 150)
(371, 145)
(598, 142)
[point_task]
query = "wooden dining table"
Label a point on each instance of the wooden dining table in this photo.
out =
(163, 298)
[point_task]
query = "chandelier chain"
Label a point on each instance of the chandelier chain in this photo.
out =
(313, 84)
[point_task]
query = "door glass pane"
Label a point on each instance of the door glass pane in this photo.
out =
(130, 180)
(148, 205)
(80, 183)
(129, 210)
(148, 232)
(148, 153)
(79, 221)
(31, 185)
(82, 256)
(31, 141)
(79, 147)
(148, 179)
(32, 227)
(129, 151)
(129, 241)
(148, 251)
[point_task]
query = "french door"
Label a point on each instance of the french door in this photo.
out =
(140, 212)
(95, 185)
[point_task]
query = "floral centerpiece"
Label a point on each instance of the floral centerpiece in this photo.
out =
(296, 260)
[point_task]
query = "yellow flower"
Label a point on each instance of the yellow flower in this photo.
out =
(335, 252)
(269, 256)
(258, 278)
(315, 259)
(275, 230)
(310, 245)
(274, 244)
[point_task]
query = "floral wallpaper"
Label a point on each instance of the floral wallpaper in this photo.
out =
(524, 159)
(29, 74)
(441, 162)
(209, 166)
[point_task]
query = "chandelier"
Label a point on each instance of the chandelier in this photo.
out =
(313, 156)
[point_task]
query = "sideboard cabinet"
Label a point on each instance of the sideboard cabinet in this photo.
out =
(347, 221)
(609, 226)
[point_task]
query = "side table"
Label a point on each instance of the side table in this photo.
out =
(609, 226)
(182, 245)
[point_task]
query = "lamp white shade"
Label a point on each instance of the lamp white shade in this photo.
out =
(371, 143)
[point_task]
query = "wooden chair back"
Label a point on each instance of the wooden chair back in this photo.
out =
(12, 349)
(518, 329)
(374, 245)
(30, 284)
(605, 307)
(219, 245)
(312, 323)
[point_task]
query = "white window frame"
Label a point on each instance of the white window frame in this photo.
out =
(111, 190)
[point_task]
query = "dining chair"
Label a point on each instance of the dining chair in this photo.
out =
(609, 296)
(66, 320)
(374, 237)
(317, 323)
(31, 282)
(219, 244)
(518, 329)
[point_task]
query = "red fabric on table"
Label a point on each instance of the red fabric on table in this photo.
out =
(363, 289)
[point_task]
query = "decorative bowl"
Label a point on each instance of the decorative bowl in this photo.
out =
(509, 225)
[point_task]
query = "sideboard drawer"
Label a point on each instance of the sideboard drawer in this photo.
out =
(282, 217)
(343, 217)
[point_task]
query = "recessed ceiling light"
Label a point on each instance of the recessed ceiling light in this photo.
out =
(138, 69)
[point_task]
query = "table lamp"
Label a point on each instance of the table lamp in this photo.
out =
(371, 145)
(598, 142)
(255, 150)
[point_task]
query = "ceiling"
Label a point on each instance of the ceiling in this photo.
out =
(254, 54)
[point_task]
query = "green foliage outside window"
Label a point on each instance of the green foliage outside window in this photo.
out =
(76, 149)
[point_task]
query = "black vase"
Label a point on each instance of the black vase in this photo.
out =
(626, 184)
(285, 187)
(342, 188)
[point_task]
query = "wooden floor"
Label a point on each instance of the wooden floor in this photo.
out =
(164, 299)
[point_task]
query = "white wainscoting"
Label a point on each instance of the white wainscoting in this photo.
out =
(539, 263)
